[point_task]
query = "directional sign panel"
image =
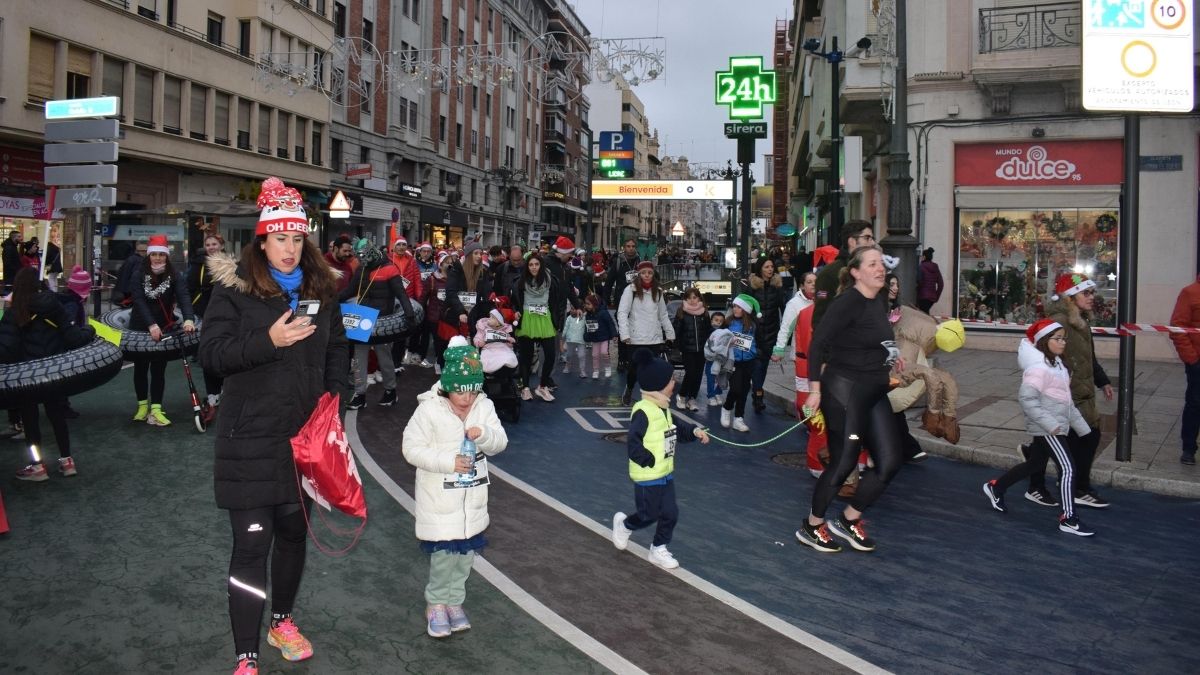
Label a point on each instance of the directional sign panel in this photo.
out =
(1137, 55)
(662, 189)
(83, 130)
(73, 198)
(93, 174)
(69, 153)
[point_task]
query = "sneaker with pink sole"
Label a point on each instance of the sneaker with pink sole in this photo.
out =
(287, 638)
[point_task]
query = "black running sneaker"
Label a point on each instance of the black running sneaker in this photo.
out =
(388, 398)
(357, 402)
(994, 496)
(818, 537)
(1073, 526)
(1041, 496)
(852, 531)
(1090, 498)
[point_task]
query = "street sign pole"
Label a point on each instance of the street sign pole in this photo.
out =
(1127, 286)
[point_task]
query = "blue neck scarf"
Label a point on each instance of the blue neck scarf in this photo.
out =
(290, 283)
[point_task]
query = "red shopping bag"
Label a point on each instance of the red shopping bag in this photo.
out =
(324, 459)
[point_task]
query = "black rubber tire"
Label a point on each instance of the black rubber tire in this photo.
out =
(138, 343)
(68, 374)
(396, 326)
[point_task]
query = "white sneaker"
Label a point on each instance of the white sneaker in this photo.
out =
(713, 400)
(425, 364)
(726, 417)
(566, 369)
(680, 402)
(596, 375)
(526, 395)
(740, 425)
(620, 533)
(659, 555)
(608, 371)
(720, 399)
(691, 404)
(544, 393)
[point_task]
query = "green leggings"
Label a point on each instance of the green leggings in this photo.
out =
(448, 574)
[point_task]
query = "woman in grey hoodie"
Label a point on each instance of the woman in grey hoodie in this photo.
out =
(1050, 414)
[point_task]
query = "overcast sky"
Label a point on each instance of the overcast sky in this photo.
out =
(699, 36)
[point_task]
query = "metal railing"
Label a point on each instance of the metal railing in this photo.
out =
(1056, 24)
(690, 272)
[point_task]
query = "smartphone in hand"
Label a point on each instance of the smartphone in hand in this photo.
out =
(306, 311)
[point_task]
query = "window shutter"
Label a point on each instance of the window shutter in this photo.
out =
(41, 69)
(79, 61)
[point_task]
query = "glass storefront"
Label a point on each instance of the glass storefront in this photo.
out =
(1009, 259)
(446, 235)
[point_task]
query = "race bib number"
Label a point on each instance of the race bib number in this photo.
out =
(592, 326)
(359, 321)
(476, 477)
(467, 299)
(802, 384)
(490, 335)
(405, 282)
(742, 341)
(629, 276)
(441, 294)
(425, 275)
(670, 437)
(540, 310)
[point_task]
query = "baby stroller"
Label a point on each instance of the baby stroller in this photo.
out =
(501, 387)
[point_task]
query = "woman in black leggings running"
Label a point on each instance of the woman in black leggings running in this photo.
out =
(851, 355)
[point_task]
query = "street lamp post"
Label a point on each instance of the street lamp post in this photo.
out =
(899, 241)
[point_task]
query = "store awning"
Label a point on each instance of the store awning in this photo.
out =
(1091, 197)
(197, 208)
(559, 205)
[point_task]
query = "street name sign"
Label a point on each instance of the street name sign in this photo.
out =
(721, 190)
(105, 106)
(745, 87)
(1137, 55)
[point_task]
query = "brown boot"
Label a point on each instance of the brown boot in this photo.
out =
(950, 430)
(932, 423)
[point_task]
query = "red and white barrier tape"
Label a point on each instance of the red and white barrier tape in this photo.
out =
(1125, 329)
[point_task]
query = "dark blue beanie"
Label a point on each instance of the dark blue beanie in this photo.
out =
(653, 373)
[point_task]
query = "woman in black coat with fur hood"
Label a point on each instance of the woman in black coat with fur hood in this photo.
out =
(767, 287)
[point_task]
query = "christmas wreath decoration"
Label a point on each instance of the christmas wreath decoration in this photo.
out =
(1106, 223)
(998, 227)
(1059, 227)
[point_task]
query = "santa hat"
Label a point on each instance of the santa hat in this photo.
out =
(564, 245)
(158, 244)
(645, 265)
(463, 371)
(80, 282)
(1041, 328)
(748, 304)
(442, 255)
(425, 244)
(400, 240)
(282, 209)
(1070, 284)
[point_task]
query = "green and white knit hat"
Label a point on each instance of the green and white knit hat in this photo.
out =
(748, 304)
(463, 371)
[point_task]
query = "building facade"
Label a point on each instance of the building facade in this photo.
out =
(1013, 182)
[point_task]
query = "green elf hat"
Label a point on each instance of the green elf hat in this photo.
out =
(463, 371)
(748, 304)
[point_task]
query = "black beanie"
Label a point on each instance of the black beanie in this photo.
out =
(653, 373)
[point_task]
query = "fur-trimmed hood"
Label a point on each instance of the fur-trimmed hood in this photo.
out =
(226, 271)
(1065, 311)
(757, 282)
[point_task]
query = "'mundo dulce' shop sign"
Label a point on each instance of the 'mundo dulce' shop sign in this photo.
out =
(1040, 163)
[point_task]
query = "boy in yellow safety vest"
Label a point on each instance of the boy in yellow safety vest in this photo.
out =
(651, 447)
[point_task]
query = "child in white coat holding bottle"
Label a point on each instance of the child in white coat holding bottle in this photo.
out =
(452, 485)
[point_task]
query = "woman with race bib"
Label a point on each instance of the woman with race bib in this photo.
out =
(642, 320)
(467, 284)
(540, 301)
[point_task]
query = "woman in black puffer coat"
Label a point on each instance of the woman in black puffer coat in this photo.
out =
(156, 293)
(276, 367)
(692, 328)
(36, 326)
(767, 287)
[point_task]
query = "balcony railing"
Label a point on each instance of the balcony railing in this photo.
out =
(1055, 24)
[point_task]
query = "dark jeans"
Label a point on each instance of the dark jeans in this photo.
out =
(55, 412)
(857, 412)
(418, 343)
(154, 370)
(255, 533)
(525, 347)
(693, 374)
(762, 361)
(655, 504)
(1191, 409)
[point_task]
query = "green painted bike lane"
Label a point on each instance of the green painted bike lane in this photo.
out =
(123, 567)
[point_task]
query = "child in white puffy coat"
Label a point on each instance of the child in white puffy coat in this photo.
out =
(452, 489)
(1045, 396)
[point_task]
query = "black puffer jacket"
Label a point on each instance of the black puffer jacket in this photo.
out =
(772, 298)
(269, 393)
(51, 331)
(156, 304)
(456, 282)
(381, 288)
(691, 330)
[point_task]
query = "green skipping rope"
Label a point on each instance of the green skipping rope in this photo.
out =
(785, 432)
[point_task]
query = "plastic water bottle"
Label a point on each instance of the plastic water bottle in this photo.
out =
(467, 449)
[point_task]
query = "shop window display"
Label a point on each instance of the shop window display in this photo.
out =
(1009, 259)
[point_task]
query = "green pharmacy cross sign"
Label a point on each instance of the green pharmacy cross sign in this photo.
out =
(745, 87)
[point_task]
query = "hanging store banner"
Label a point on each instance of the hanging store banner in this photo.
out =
(1039, 163)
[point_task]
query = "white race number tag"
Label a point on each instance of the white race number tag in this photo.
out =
(743, 341)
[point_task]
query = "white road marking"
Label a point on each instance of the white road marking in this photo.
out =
(826, 649)
(543, 614)
(616, 419)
